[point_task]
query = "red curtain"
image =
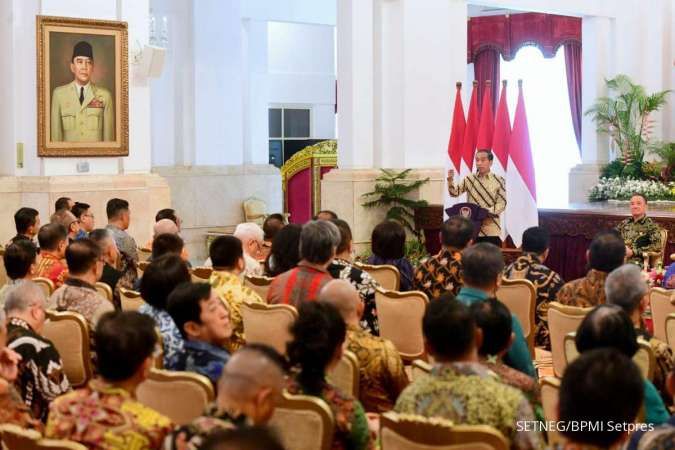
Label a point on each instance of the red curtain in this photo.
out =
(486, 67)
(573, 71)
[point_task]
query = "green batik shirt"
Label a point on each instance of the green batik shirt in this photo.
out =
(467, 393)
(642, 235)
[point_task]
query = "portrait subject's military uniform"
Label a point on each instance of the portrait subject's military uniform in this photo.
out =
(91, 121)
(642, 235)
(487, 191)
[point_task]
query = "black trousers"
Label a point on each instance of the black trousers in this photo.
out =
(491, 239)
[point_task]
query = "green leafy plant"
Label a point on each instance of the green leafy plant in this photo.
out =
(625, 115)
(391, 191)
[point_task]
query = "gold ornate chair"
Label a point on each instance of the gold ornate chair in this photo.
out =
(104, 290)
(662, 303)
(255, 210)
(201, 274)
(345, 375)
(520, 297)
(16, 438)
(144, 253)
(259, 285)
(131, 300)
(303, 422)
(409, 432)
(69, 333)
(562, 319)
(550, 390)
(181, 396)
(386, 275)
(670, 330)
(45, 284)
(653, 259)
(400, 316)
(3, 271)
(301, 179)
(268, 324)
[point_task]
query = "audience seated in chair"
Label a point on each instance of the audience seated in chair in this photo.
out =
(27, 222)
(342, 268)
(105, 415)
(62, 203)
(159, 280)
(252, 239)
(53, 241)
(606, 253)
(482, 266)
(12, 408)
(381, 374)
(110, 255)
(640, 233)
(609, 326)
(168, 243)
(494, 320)
(601, 385)
(439, 274)
(169, 213)
(119, 218)
(318, 337)
(318, 241)
(626, 287)
(530, 266)
(662, 436)
(227, 257)
(82, 211)
(205, 325)
(67, 220)
(249, 387)
(285, 251)
(325, 214)
(249, 438)
(78, 293)
(459, 387)
(41, 377)
(388, 246)
(271, 226)
(19, 259)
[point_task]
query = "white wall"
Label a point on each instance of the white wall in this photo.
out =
(19, 114)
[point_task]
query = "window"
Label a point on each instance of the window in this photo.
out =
(554, 146)
(290, 130)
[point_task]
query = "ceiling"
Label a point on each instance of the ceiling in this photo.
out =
(479, 11)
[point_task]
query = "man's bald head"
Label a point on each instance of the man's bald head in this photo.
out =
(165, 226)
(343, 296)
(251, 381)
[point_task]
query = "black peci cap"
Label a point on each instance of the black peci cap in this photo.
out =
(83, 48)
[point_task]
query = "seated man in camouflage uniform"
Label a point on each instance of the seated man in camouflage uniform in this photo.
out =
(640, 233)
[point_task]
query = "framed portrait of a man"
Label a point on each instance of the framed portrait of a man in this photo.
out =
(83, 87)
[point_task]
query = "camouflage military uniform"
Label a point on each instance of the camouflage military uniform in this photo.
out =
(546, 282)
(486, 191)
(642, 235)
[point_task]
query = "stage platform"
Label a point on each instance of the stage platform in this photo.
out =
(572, 229)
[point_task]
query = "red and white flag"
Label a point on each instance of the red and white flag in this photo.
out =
(470, 135)
(521, 192)
(502, 135)
(487, 120)
(457, 132)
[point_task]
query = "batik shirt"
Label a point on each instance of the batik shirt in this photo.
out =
(233, 293)
(660, 438)
(49, 266)
(663, 356)
(365, 285)
(467, 394)
(125, 243)
(514, 378)
(642, 235)
(203, 358)
(381, 374)
(104, 417)
(351, 426)
(585, 292)
(193, 435)
(83, 298)
(439, 274)
(546, 282)
(13, 410)
(302, 283)
(41, 377)
(172, 340)
(486, 191)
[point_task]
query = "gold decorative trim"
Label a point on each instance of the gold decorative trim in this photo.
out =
(121, 144)
(321, 154)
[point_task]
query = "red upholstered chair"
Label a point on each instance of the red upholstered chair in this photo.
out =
(301, 179)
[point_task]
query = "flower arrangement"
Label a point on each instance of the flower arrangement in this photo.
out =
(655, 277)
(617, 188)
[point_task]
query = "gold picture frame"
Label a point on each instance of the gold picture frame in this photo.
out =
(95, 123)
